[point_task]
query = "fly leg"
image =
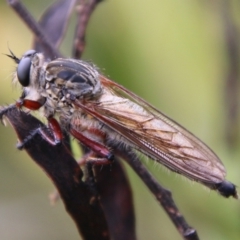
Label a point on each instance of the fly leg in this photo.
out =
(91, 158)
(52, 134)
(98, 155)
(29, 104)
(102, 154)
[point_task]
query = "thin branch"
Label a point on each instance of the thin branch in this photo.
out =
(84, 11)
(163, 195)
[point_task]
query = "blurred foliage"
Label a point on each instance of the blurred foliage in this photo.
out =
(173, 54)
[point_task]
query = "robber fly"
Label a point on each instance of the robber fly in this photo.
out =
(101, 113)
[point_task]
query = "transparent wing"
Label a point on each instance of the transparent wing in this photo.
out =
(154, 134)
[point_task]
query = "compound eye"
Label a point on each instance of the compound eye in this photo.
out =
(24, 67)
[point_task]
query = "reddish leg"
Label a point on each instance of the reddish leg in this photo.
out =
(29, 104)
(55, 129)
(54, 136)
(92, 159)
(96, 147)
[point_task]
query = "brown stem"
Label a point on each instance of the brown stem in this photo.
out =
(84, 10)
(163, 195)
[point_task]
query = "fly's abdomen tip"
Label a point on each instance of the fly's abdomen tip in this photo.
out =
(227, 189)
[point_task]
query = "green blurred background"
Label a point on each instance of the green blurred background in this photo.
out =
(171, 53)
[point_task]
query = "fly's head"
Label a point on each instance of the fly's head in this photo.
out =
(29, 74)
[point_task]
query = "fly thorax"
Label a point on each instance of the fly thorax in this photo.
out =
(74, 77)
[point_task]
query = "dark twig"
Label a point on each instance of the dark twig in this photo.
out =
(163, 195)
(34, 26)
(116, 200)
(84, 10)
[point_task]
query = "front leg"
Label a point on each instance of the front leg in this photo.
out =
(53, 134)
(29, 104)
